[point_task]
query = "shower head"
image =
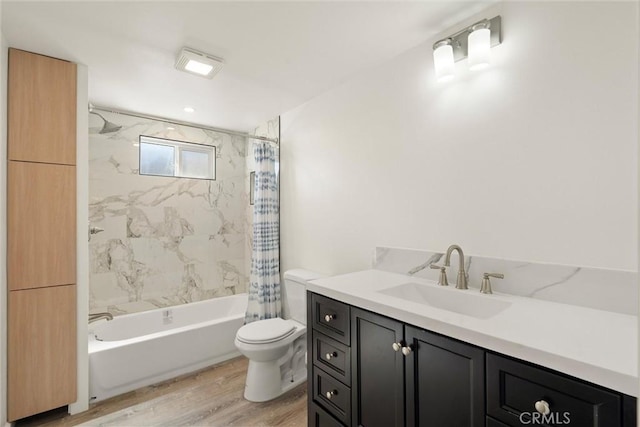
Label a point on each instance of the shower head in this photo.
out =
(108, 127)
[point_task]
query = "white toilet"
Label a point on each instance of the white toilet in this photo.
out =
(276, 348)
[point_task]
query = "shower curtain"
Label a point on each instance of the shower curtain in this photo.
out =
(264, 287)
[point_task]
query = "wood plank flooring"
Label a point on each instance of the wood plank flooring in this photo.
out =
(211, 397)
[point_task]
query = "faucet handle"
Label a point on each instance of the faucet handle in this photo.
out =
(442, 280)
(485, 287)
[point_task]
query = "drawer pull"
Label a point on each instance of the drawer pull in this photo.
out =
(329, 317)
(330, 356)
(331, 393)
(542, 407)
(406, 351)
(396, 346)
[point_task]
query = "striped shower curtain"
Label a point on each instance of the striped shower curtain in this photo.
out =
(264, 287)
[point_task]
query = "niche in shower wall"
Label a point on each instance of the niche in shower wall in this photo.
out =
(166, 240)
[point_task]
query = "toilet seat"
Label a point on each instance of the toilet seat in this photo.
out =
(265, 331)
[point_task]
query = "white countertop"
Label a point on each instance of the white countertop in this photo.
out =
(594, 345)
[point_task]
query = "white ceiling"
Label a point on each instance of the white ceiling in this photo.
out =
(278, 54)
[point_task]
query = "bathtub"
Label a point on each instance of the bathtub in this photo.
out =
(139, 349)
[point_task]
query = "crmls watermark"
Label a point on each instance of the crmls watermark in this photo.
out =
(552, 418)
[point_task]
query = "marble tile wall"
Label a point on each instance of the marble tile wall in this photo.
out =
(610, 290)
(167, 241)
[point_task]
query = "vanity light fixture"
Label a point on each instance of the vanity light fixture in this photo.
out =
(474, 42)
(198, 63)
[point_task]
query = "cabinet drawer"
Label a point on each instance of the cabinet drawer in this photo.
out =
(332, 395)
(318, 417)
(332, 356)
(330, 317)
(514, 387)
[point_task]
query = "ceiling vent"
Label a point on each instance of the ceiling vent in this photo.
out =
(198, 63)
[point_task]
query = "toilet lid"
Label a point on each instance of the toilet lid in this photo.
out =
(265, 331)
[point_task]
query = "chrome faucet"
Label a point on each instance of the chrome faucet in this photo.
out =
(93, 317)
(461, 283)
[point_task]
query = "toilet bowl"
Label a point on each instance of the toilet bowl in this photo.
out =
(276, 348)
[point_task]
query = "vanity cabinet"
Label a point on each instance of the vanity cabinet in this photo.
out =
(401, 375)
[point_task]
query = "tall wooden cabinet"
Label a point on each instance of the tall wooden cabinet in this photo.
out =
(41, 223)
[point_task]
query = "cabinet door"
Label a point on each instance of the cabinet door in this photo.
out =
(42, 109)
(445, 381)
(41, 225)
(378, 371)
(41, 362)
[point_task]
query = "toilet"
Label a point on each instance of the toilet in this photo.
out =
(277, 348)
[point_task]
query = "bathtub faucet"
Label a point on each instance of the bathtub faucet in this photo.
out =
(97, 316)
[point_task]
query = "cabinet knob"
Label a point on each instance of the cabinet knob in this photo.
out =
(329, 317)
(331, 393)
(396, 346)
(330, 356)
(542, 407)
(406, 350)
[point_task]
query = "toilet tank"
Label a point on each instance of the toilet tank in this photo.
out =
(294, 294)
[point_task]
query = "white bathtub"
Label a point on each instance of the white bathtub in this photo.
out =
(139, 349)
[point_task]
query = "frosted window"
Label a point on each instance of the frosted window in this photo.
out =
(156, 159)
(195, 164)
(181, 159)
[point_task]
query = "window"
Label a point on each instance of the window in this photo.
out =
(164, 157)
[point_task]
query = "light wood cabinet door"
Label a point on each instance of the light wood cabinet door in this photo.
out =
(41, 349)
(41, 222)
(42, 108)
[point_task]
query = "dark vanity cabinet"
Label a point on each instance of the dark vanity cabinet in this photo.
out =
(369, 370)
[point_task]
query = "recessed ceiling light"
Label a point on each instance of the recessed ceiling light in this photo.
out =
(198, 63)
(189, 109)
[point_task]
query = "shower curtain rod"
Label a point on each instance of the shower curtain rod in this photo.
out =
(180, 122)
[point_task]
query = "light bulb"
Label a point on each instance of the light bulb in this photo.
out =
(443, 60)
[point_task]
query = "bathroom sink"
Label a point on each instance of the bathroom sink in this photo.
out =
(459, 301)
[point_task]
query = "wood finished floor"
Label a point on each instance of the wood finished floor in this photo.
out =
(211, 397)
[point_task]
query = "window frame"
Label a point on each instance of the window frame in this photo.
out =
(178, 147)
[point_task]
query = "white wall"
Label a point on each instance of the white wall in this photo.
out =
(533, 159)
